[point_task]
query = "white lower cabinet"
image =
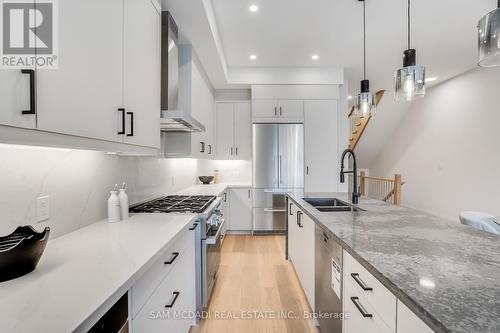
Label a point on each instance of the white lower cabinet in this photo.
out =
(225, 212)
(372, 308)
(301, 249)
(240, 210)
(408, 322)
(163, 299)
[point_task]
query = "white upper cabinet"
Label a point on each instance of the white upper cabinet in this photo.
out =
(278, 111)
(234, 131)
(142, 75)
(107, 84)
(242, 131)
(264, 109)
(15, 108)
(321, 146)
(225, 130)
(83, 95)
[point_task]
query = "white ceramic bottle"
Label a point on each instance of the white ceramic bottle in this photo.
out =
(123, 197)
(114, 206)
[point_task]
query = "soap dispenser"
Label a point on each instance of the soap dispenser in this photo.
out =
(123, 197)
(114, 206)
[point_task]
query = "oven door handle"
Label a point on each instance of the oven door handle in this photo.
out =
(213, 240)
(271, 210)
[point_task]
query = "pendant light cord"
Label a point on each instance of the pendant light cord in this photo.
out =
(364, 40)
(409, 24)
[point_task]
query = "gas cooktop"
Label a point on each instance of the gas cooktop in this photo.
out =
(175, 203)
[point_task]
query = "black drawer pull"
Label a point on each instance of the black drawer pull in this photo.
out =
(122, 110)
(32, 74)
(191, 228)
(172, 258)
(172, 302)
(299, 219)
(290, 209)
(361, 309)
(131, 114)
(361, 283)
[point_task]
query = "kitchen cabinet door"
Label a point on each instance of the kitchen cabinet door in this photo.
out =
(241, 209)
(242, 131)
(141, 77)
(83, 95)
(358, 323)
(305, 236)
(292, 232)
(265, 110)
(321, 146)
(15, 88)
(291, 110)
(225, 131)
(408, 322)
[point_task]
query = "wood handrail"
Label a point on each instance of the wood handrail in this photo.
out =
(363, 122)
(381, 188)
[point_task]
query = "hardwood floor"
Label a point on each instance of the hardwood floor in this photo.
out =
(257, 290)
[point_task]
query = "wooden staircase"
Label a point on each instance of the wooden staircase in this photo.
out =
(361, 122)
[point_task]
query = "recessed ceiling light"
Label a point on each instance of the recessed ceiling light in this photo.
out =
(315, 57)
(253, 57)
(430, 79)
(253, 8)
(349, 97)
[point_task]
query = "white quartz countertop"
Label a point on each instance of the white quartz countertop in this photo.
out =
(81, 272)
(211, 189)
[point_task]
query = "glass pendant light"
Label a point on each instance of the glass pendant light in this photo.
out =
(489, 39)
(409, 81)
(364, 103)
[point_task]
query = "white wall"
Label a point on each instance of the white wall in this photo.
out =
(78, 183)
(231, 171)
(447, 147)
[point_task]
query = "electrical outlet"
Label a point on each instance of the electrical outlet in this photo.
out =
(42, 208)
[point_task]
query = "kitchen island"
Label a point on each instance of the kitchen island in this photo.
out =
(446, 273)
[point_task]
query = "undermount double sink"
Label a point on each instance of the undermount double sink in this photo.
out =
(331, 205)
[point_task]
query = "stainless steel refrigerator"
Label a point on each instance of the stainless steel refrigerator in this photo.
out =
(278, 166)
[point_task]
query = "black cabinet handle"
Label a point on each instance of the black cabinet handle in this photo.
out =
(358, 280)
(281, 111)
(131, 114)
(307, 170)
(209, 149)
(122, 110)
(175, 295)
(290, 209)
(32, 74)
(275, 111)
(202, 147)
(191, 228)
(236, 150)
(299, 220)
(231, 151)
(361, 309)
(225, 197)
(172, 258)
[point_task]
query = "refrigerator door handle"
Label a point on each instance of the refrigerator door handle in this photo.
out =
(279, 170)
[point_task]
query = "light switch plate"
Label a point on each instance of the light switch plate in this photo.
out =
(42, 208)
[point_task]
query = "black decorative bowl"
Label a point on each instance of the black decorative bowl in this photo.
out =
(206, 179)
(20, 251)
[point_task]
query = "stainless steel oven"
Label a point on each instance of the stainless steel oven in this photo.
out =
(211, 254)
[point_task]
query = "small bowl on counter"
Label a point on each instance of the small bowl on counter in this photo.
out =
(206, 179)
(21, 251)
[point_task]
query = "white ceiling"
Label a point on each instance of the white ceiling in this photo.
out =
(285, 33)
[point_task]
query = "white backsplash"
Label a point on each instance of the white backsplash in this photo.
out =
(78, 183)
(233, 171)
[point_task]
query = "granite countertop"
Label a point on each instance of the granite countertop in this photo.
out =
(445, 272)
(82, 271)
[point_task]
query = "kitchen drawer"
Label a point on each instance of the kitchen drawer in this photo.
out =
(355, 322)
(267, 198)
(155, 316)
(379, 297)
(145, 286)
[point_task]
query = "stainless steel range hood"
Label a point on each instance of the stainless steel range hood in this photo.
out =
(172, 119)
(179, 121)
